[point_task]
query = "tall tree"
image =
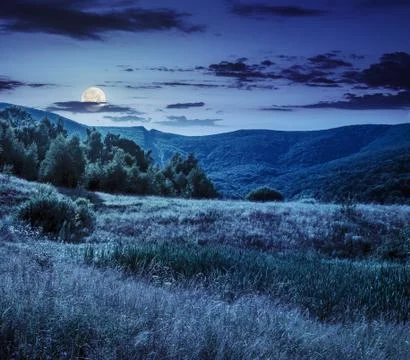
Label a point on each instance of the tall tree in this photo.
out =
(60, 165)
(94, 145)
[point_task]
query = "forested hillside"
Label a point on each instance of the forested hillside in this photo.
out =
(366, 162)
(44, 151)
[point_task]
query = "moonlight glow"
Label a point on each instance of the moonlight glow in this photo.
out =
(94, 95)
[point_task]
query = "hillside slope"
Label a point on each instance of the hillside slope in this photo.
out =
(324, 164)
(21, 115)
(371, 162)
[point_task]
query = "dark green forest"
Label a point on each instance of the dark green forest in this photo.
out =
(45, 152)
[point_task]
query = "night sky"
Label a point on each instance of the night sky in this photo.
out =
(198, 67)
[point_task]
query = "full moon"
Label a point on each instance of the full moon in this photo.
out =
(93, 94)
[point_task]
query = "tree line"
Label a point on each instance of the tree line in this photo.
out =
(44, 152)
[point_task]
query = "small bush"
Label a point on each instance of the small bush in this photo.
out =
(58, 215)
(397, 249)
(348, 209)
(265, 194)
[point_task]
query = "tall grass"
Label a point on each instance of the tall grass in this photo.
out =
(329, 289)
(175, 279)
(325, 228)
(67, 311)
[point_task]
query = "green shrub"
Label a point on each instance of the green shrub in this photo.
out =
(184, 177)
(200, 186)
(64, 162)
(59, 215)
(397, 249)
(93, 177)
(265, 194)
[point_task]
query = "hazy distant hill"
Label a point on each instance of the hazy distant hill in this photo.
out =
(370, 161)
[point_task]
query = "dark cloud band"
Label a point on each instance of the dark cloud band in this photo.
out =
(399, 101)
(69, 20)
(186, 105)
(76, 107)
(7, 84)
(278, 11)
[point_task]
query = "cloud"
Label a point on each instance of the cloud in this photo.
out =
(324, 83)
(197, 85)
(328, 70)
(323, 70)
(308, 76)
(115, 82)
(241, 70)
(127, 68)
(127, 118)
(7, 84)
(355, 56)
(287, 57)
(317, 71)
(352, 77)
(76, 107)
(65, 18)
(167, 69)
(392, 71)
(235, 69)
(399, 101)
(241, 85)
(277, 108)
(182, 121)
(276, 11)
(328, 61)
(267, 63)
(39, 85)
(185, 105)
(378, 101)
(384, 3)
(143, 87)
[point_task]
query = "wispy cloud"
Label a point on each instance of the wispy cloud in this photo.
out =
(384, 3)
(277, 108)
(315, 71)
(276, 11)
(172, 70)
(89, 107)
(241, 70)
(143, 87)
(328, 61)
(185, 105)
(380, 101)
(9, 84)
(188, 84)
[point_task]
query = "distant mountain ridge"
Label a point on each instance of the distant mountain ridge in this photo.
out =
(324, 164)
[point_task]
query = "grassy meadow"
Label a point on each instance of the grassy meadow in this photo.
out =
(166, 278)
